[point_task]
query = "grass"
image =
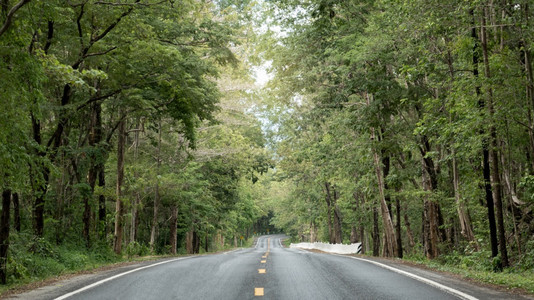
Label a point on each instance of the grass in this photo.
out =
(480, 267)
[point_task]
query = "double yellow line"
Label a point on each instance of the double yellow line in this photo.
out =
(259, 290)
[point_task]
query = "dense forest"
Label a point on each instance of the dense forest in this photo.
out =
(407, 125)
(123, 127)
(135, 127)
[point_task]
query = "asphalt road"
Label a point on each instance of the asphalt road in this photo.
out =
(266, 271)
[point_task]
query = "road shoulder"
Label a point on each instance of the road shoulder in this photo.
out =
(458, 282)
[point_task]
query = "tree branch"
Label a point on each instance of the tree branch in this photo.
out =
(79, 24)
(96, 99)
(9, 17)
(49, 36)
(129, 4)
(95, 39)
(100, 53)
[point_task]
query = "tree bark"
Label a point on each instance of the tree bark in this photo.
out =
(313, 232)
(409, 232)
(102, 203)
(196, 242)
(463, 214)
(156, 195)
(95, 137)
(4, 234)
(189, 242)
(485, 151)
(398, 227)
(173, 225)
(494, 155)
(376, 233)
(119, 205)
(16, 212)
(389, 230)
(430, 220)
(338, 233)
(40, 191)
(137, 201)
(461, 208)
(328, 199)
(356, 234)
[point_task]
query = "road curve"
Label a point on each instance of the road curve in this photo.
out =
(267, 271)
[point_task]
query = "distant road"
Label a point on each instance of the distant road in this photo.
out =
(267, 271)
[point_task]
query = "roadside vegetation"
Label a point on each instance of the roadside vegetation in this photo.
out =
(35, 260)
(406, 126)
(127, 130)
(479, 267)
(135, 128)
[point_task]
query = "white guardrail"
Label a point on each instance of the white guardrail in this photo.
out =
(330, 248)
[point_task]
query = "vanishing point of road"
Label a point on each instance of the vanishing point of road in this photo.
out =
(266, 271)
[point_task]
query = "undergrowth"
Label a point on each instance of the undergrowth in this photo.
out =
(481, 267)
(32, 259)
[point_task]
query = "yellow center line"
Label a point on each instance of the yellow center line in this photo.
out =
(263, 261)
(258, 291)
(261, 271)
(265, 256)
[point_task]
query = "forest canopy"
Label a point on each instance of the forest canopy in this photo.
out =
(136, 127)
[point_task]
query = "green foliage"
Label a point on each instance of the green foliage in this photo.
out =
(136, 249)
(33, 258)
(479, 266)
(527, 185)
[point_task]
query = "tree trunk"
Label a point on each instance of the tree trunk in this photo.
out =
(4, 234)
(338, 233)
(385, 171)
(461, 208)
(376, 233)
(407, 224)
(102, 203)
(354, 234)
(156, 195)
(328, 199)
(193, 242)
(189, 242)
(494, 155)
(137, 201)
(95, 137)
(196, 242)
(363, 240)
(398, 227)
(485, 151)
(135, 218)
(173, 225)
(527, 61)
(119, 205)
(389, 230)
(206, 242)
(463, 214)
(16, 212)
(430, 220)
(38, 205)
(313, 232)
(86, 222)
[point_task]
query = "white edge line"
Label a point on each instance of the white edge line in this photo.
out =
(419, 278)
(116, 276)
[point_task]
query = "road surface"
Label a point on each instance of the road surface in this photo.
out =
(267, 271)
